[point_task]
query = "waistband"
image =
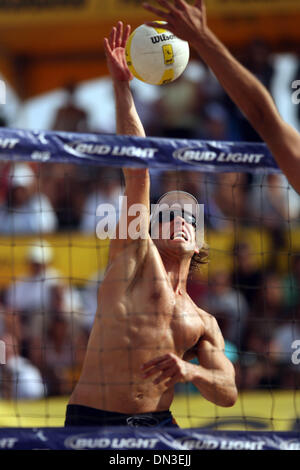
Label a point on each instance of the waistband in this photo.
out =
(81, 415)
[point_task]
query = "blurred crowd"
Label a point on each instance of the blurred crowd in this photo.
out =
(45, 320)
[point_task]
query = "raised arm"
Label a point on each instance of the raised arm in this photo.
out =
(137, 185)
(189, 22)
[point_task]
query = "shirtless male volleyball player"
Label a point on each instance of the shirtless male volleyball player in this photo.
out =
(189, 22)
(147, 327)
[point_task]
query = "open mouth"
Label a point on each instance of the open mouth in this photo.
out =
(179, 236)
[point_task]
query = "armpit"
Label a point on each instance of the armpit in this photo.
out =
(191, 353)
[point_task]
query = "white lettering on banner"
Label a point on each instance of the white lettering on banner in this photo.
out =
(96, 149)
(290, 445)
(83, 442)
(194, 155)
(240, 157)
(241, 445)
(40, 435)
(8, 442)
(198, 444)
(41, 137)
(8, 143)
(187, 155)
(41, 156)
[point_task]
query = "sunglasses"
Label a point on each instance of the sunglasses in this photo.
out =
(168, 216)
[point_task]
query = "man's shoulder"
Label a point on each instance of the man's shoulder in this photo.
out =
(210, 324)
(203, 314)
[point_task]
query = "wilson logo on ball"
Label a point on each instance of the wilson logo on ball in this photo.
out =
(162, 37)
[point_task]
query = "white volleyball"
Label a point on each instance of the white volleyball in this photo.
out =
(155, 55)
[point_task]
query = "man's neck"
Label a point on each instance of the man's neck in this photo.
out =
(177, 271)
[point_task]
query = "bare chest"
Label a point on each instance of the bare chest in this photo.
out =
(168, 315)
(146, 311)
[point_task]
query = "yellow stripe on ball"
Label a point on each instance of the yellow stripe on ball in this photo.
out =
(129, 60)
(168, 76)
(159, 30)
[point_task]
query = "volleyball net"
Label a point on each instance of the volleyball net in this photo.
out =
(54, 250)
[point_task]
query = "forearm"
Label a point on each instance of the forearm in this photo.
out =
(216, 385)
(127, 118)
(129, 123)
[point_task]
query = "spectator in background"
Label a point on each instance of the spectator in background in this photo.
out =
(188, 181)
(228, 305)
(257, 58)
(216, 122)
(268, 309)
(274, 201)
(32, 297)
(258, 366)
(287, 341)
(59, 353)
(226, 200)
(70, 117)
(66, 185)
(4, 177)
(26, 210)
(90, 300)
(108, 190)
(20, 379)
(31, 293)
(246, 276)
(177, 109)
(291, 283)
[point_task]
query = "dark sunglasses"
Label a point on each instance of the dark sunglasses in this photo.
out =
(168, 216)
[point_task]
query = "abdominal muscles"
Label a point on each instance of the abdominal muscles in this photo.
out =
(112, 377)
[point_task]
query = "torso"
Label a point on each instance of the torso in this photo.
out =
(139, 318)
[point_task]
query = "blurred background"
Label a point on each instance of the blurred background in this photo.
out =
(51, 263)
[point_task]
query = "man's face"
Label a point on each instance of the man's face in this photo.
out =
(175, 231)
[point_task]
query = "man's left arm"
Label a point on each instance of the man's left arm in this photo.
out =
(214, 376)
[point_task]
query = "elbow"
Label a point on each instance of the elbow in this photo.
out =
(230, 401)
(231, 398)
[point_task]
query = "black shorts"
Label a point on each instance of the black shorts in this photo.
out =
(79, 415)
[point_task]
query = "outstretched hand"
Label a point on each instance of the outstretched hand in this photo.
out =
(114, 48)
(184, 20)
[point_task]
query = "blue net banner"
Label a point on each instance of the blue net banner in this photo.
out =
(124, 438)
(128, 151)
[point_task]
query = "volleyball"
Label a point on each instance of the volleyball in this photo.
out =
(155, 55)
